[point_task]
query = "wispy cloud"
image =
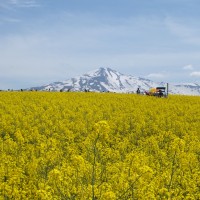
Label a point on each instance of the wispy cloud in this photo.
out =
(195, 74)
(185, 31)
(24, 3)
(12, 4)
(188, 67)
(156, 75)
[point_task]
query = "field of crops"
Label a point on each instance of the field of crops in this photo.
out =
(99, 146)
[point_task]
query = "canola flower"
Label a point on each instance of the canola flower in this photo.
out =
(93, 146)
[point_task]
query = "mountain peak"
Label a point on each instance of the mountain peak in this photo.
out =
(104, 69)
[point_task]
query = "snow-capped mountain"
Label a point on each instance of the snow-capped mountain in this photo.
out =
(106, 79)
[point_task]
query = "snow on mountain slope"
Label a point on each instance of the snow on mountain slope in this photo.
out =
(185, 89)
(106, 79)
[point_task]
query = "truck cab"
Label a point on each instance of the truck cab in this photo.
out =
(160, 92)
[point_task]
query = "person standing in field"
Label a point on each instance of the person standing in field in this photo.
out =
(138, 91)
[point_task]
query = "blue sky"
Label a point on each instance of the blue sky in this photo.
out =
(42, 41)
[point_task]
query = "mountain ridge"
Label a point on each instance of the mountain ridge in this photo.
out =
(107, 79)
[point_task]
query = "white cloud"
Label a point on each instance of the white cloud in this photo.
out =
(188, 67)
(155, 75)
(195, 74)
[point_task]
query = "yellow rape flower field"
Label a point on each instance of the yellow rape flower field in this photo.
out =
(99, 146)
